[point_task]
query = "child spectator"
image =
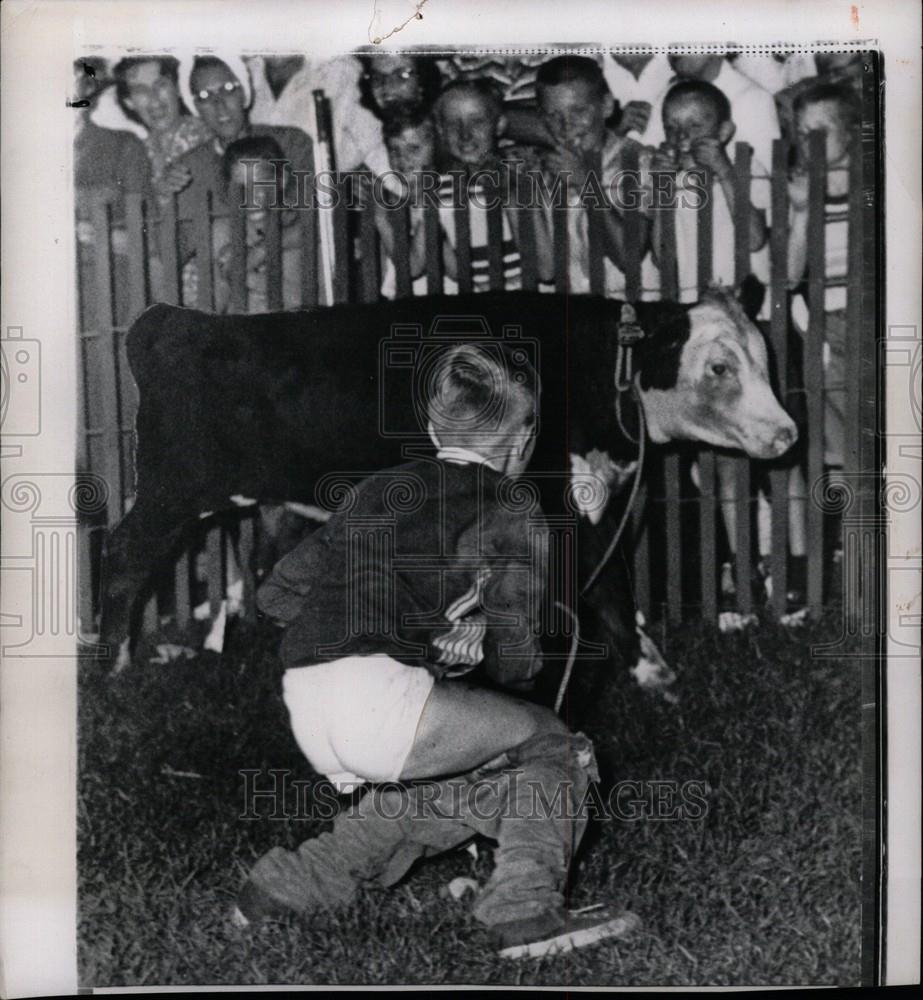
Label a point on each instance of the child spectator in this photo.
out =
(259, 166)
(698, 127)
(411, 143)
(835, 109)
(753, 109)
(575, 103)
(372, 652)
(469, 121)
(831, 67)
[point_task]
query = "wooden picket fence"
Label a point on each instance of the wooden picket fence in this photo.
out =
(136, 258)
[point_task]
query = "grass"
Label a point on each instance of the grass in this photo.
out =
(763, 890)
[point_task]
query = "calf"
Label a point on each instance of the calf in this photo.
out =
(264, 406)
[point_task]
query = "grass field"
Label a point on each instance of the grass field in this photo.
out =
(763, 890)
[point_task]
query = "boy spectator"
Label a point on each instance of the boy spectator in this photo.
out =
(831, 67)
(575, 102)
(469, 121)
(411, 143)
(257, 164)
(835, 109)
(372, 652)
(753, 109)
(698, 127)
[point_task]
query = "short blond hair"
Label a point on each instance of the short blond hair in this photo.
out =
(479, 394)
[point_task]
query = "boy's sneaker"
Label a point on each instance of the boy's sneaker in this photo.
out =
(557, 933)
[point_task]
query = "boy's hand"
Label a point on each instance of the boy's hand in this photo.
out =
(635, 116)
(664, 159)
(798, 190)
(175, 178)
(712, 154)
(565, 161)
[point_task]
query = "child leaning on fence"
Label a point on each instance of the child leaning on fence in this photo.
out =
(258, 166)
(374, 649)
(835, 109)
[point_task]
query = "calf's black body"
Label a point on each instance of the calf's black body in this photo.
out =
(264, 406)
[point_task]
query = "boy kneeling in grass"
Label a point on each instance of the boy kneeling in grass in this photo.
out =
(374, 645)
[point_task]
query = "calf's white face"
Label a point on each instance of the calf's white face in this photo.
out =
(722, 394)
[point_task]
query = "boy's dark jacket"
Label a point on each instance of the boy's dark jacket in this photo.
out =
(407, 545)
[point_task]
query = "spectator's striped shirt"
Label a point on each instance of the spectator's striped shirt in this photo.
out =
(480, 258)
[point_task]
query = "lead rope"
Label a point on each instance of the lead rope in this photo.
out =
(629, 334)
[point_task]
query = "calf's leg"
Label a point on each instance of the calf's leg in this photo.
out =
(133, 549)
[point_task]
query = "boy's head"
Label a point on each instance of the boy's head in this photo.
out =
(833, 108)
(249, 162)
(411, 142)
(487, 402)
(692, 110)
(469, 120)
(574, 101)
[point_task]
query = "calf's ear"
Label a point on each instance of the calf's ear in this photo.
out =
(750, 294)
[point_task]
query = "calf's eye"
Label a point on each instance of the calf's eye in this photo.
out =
(719, 369)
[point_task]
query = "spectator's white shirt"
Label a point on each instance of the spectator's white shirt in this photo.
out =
(773, 74)
(753, 111)
(687, 234)
(356, 131)
(650, 86)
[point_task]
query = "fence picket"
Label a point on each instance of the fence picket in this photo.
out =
(744, 558)
(708, 556)
(462, 214)
(493, 196)
(341, 242)
(433, 237)
(559, 241)
(168, 233)
(814, 362)
(779, 478)
(642, 559)
(272, 223)
(238, 259)
(669, 282)
(308, 222)
(109, 434)
(631, 193)
(368, 245)
(400, 225)
(528, 248)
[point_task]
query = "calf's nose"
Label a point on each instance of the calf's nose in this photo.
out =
(785, 439)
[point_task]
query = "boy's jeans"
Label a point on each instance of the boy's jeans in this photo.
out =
(528, 800)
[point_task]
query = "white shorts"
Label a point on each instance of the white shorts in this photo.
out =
(355, 719)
